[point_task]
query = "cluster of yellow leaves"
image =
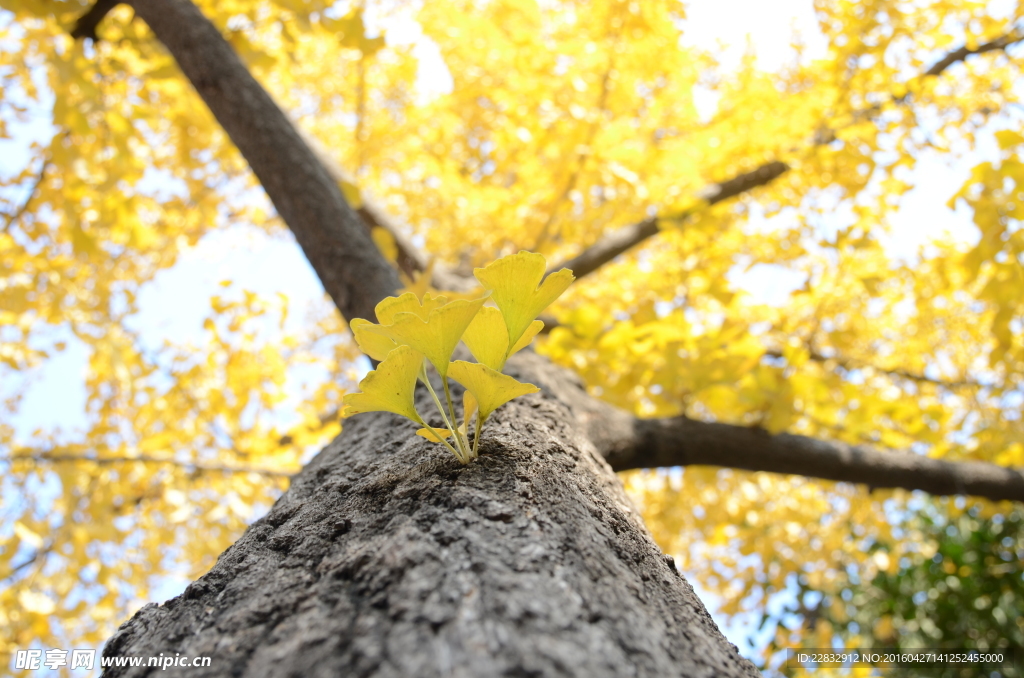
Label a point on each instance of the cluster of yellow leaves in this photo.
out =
(412, 330)
(564, 121)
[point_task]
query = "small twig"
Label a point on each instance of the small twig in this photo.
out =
(20, 212)
(144, 459)
(854, 364)
(581, 158)
(961, 54)
(39, 553)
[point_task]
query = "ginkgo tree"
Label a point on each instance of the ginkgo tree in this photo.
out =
(571, 130)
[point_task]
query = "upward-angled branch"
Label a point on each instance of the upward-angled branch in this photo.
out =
(410, 260)
(961, 54)
(628, 237)
(331, 235)
(617, 242)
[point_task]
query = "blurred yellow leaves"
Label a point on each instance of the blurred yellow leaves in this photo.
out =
(352, 33)
(545, 124)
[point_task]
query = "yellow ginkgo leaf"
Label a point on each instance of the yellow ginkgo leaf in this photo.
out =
(531, 331)
(515, 283)
(490, 388)
(487, 338)
(409, 302)
(390, 387)
(438, 335)
(469, 410)
(428, 433)
(373, 344)
(352, 194)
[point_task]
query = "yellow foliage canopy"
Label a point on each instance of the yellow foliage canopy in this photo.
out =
(564, 121)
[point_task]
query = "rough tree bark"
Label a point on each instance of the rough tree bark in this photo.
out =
(386, 557)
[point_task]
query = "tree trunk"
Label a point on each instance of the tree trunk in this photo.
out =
(386, 557)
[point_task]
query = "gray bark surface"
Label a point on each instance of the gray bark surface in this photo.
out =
(386, 557)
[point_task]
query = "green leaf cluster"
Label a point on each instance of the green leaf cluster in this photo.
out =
(960, 589)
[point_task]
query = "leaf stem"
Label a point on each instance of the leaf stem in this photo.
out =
(476, 438)
(459, 454)
(463, 444)
(440, 437)
(437, 401)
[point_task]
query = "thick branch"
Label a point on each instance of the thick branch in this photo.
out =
(629, 443)
(628, 237)
(680, 441)
(86, 25)
(330, 233)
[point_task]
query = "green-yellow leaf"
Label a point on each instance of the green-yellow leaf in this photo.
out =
(491, 389)
(515, 283)
(469, 407)
(387, 309)
(385, 242)
(438, 335)
(352, 194)
(532, 331)
(389, 388)
(373, 344)
(428, 433)
(487, 338)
